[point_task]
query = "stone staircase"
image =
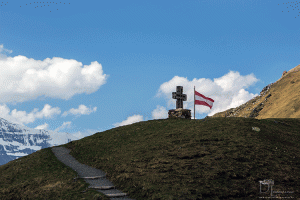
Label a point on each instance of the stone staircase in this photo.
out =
(96, 178)
(111, 190)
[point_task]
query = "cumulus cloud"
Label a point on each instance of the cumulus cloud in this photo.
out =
(80, 134)
(160, 113)
(2, 50)
(68, 125)
(44, 126)
(21, 117)
(82, 110)
(227, 91)
(63, 126)
(24, 79)
(130, 120)
(85, 133)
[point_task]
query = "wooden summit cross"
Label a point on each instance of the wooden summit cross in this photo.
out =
(179, 96)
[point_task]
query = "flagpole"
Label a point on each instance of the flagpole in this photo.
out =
(194, 102)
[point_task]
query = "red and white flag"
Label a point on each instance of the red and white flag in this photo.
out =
(200, 99)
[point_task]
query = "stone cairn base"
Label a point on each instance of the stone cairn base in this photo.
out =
(180, 113)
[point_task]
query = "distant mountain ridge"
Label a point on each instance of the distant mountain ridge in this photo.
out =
(277, 100)
(17, 141)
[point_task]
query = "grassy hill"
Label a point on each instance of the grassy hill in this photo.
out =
(213, 158)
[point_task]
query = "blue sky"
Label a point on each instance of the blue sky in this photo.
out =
(89, 66)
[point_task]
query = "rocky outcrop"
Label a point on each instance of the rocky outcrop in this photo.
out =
(265, 89)
(284, 72)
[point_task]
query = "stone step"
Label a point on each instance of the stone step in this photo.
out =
(103, 187)
(116, 195)
(111, 193)
(95, 177)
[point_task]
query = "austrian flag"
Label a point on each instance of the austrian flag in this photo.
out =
(200, 99)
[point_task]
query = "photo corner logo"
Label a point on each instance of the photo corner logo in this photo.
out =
(270, 184)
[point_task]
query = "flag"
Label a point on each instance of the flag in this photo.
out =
(200, 99)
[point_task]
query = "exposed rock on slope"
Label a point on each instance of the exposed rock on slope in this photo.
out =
(277, 100)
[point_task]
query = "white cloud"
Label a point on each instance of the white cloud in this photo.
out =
(160, 113)
(24, 79)
(63, 126)
(44, 126)
(130, 120)
(79, 135)
(48, 112)
(2, 56)
(233, 81)
(86, 133)
(2, 49)
(82, 110)
(227, 92)
(21, 117)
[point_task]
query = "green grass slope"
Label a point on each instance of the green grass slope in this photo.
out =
(215, 158)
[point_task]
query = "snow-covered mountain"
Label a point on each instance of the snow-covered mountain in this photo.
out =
(17, 141)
